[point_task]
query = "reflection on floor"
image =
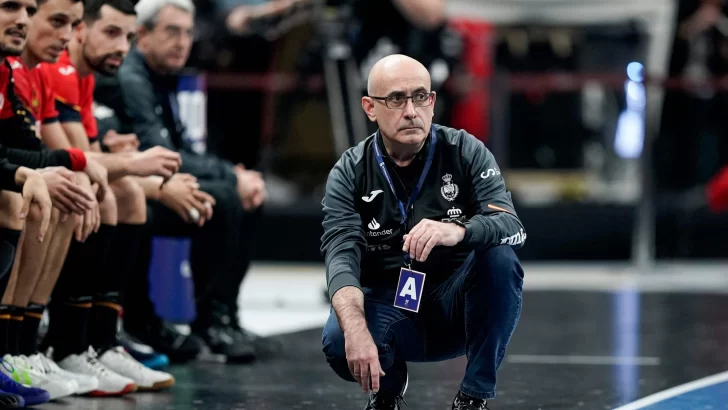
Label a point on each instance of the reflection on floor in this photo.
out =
(591, 338)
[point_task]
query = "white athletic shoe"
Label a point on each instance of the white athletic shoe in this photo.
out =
(110, 383)
(84, 383)
(120, 361)
(36, 377)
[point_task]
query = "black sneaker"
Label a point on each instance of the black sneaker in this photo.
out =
(214, 325)
(381, 401)
(264, 347)
(384, 401)
(222, 340)
(163, 337)
(464, 402)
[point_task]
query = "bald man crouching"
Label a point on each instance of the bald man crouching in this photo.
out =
(419, 233)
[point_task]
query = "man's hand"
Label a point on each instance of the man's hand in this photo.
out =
(157, 161)
(116, 142)
(182, 195)
(35, 191)
(362, 357)
(251, 187)
(98, 175)
(427, 234)
(90, 221)
(66, 194)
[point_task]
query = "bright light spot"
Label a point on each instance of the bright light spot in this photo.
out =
(635, 71)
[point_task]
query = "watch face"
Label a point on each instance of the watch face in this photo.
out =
(461, 222)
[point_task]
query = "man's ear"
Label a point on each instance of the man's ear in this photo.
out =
(434, 100)
(367, 104)
(80, 31)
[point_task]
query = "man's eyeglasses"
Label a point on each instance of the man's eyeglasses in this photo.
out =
(398, 101)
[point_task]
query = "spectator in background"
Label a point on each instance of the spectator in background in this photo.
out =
(241, 36)
(221, 252)
(411, 27)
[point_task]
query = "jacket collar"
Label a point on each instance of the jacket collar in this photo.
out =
(420, 157)
(136, 60)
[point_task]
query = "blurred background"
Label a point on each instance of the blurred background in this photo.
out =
(609, 120)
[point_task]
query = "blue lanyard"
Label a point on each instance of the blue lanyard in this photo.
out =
(174, 106)
(383, 167)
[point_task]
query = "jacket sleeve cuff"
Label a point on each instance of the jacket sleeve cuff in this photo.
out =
(78, 159)
(7, 178)
(474, 233)
(341, 281)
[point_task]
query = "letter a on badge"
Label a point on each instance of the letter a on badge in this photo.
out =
(409, 290)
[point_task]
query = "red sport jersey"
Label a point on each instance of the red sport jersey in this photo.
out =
(74, 95)
(6, 76)
(32, 87)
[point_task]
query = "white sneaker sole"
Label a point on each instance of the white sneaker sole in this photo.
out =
(160, 385)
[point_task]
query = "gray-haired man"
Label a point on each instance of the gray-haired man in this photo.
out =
(220, 252)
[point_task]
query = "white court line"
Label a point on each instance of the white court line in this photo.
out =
(675, 391)
(584, 360)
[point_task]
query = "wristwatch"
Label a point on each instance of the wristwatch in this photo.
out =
(461, 221)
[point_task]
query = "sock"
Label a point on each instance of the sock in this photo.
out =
(69, 320)
(138, 309)
(17, 314)
(28, 341)
(4, 324)
(118, 265)
(8, 244)
(71, 301)
(103, 321)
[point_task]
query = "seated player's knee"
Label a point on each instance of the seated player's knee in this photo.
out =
(35, 214)
(108, 210)
(55, 216)
(130, 200)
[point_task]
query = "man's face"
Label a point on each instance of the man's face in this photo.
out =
(402, 119)
(52, 28)
(168, 44)
(14, 20)
(106, 41)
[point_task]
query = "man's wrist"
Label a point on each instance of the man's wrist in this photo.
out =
(461, 227)
(78, 159)
(355, 326)
(21, 176)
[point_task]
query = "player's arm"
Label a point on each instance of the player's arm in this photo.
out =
(11, 176)
(76, 135)
(73, 159)
(116, 164)
(495, 221)
(342, 245)
(151, 186)
(54, 136)
(79, 126)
